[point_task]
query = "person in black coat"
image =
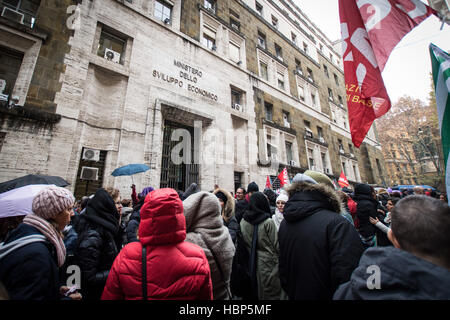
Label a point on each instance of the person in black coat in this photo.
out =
(241, 204)
(366, 206)
(417, 267)
(319, 249)
(272, 197)
(98, 241)
(133, 224)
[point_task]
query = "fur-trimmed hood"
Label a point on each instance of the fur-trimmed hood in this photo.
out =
(228, 211)
(306, 199)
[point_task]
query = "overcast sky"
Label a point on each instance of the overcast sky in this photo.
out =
(409, 65)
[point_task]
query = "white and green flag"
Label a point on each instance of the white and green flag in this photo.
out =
(440, 62)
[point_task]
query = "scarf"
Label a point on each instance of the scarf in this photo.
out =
(50, 233)
(258, 209)
(102, 211)
(277, 218)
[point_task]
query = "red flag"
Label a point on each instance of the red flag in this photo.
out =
(370, 30)
(268, 183)
(343, 182)
(283, 177)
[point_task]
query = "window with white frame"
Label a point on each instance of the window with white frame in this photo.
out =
(318, 157)
(235, 24)
(163, 11)
(18, 56)
(350, 168)
(280, 79)
(323, 157)
(344, 168)
(298, 67)
(111, 46)
(236, 97)
(236, 47)
(305, 47)
(294, 38)
(259, 8)
(341, 102)
(209, 37)
(275, 22)
(325, 70)
(261, 40)
(311, 161)
(281, 76)
(289, 156)
(310, 74)
(301, 92)
(313, 100)
(210, 5)
(280, 145)
(22, 11)
(235, 54)
(272, 141)
(263, 70)
(8, 75)
(286, 119)
(279, 52)
(268, 107)
(330, 94)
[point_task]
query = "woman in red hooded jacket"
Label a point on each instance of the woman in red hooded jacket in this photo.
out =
(175, 269)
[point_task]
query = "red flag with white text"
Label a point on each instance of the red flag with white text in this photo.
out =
(283, 177)
(370, 30)
(343, 182)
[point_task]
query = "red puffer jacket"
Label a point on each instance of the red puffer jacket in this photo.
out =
(175, 269)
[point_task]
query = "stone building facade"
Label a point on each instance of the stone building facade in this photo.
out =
(213, 92)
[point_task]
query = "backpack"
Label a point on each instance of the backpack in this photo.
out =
(242, 278)
(6, 249)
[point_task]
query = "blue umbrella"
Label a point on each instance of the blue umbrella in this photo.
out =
(130, 169)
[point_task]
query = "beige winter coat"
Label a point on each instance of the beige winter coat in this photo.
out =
(204, 227)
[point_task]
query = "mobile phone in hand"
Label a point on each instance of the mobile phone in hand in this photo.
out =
(71, 290)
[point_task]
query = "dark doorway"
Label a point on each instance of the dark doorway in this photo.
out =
(173, 175)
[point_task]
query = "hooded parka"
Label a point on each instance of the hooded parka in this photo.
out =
(205, 228)
(176, 269)
(98, 246)
(388, 273)
(366, 207)
(267, 249)
(319, 248)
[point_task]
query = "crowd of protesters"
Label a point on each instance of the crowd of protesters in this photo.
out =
(306, 241)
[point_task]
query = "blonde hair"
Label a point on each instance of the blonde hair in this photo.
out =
(113, 192)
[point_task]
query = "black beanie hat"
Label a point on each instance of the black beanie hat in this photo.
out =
(252, 187)
(222, 196)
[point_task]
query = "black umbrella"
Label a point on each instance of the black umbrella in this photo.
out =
(32, 179)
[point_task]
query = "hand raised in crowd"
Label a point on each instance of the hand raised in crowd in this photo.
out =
(374, 221)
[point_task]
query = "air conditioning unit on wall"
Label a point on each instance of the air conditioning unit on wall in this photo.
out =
(88, 173)
(12, 14)
(111, 55)
(237, 106)
(91, 154)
